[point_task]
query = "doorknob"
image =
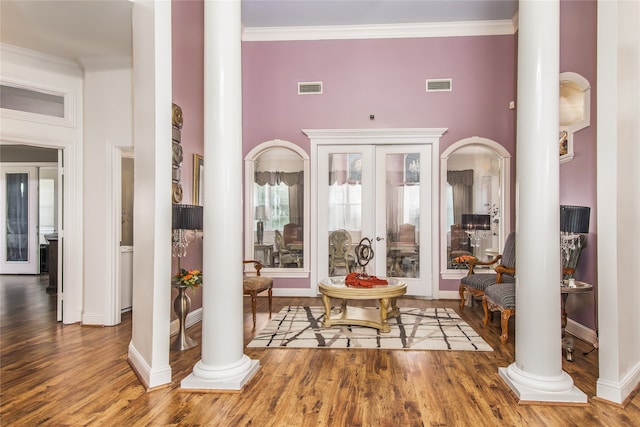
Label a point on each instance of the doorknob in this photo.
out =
(379, 238)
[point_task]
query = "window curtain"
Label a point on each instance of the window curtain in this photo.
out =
(295, 182)
(462, 185)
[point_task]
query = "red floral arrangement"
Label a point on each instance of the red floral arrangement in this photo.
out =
(358, 280)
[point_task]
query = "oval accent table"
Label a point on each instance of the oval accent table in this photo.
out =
(373, 317)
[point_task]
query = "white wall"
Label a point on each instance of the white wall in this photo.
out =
(108, 126)
(618, 156)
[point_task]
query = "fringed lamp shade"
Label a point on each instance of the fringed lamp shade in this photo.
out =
(574, 219)
(467, 222)
(483, 222)
(186, 217)
(472, 222)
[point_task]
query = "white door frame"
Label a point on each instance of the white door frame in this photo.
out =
(401, 136)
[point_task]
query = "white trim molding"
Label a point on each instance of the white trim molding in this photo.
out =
(381, 31)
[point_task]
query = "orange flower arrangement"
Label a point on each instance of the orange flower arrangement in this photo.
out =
(189, 278)
(464, 259)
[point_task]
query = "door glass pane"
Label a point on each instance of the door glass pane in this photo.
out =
(17, 205)
(344, 210)
(403, 214)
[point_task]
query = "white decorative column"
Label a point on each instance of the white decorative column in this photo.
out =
(537, 375)
(223, 365)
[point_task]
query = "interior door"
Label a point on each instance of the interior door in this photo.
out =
(382, 193)
(19, 218)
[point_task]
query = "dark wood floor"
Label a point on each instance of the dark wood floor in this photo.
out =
(53, 374)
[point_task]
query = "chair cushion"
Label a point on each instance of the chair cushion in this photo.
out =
(482, 281)
(257, 283)
(503, 294)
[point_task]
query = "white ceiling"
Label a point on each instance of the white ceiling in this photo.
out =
(80, 28)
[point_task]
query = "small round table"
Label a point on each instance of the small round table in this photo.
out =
(566, 290)
(374, 317)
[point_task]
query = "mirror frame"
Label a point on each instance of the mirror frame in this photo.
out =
(504, 161)
(249, 241)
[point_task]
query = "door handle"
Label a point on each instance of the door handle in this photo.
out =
(379, 238)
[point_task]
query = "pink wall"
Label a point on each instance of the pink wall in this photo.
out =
(188, 92)
(578, 177)
(381, 77)
(385, 78)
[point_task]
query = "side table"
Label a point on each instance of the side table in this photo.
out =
(566, 290)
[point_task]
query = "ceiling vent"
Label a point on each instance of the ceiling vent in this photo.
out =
(309, 88)
(439, 85)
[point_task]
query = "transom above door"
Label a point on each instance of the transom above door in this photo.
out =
(377, 187)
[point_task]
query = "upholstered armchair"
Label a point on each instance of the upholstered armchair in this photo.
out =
(339, 249)
(253, 285)
(504, 272)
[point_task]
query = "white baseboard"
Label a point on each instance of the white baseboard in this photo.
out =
(449, 295)
(150, 377)
(618, 392)
(93, 319)
(581, 332)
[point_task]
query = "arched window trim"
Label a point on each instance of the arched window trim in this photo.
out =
(249, 210)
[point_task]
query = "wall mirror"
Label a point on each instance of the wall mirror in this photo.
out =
(474, 192)
(277, 208)
(574, 109)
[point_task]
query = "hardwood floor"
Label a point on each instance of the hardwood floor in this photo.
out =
(54, 374)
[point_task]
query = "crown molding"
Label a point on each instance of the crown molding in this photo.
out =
(381, 31)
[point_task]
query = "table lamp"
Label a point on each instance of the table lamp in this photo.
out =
(574, 224)
(261, 214)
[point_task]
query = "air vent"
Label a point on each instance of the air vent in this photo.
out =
(309, 88)
(439, 85)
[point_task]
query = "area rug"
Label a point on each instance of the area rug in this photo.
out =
(414, 329)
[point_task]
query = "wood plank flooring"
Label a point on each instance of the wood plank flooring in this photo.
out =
(58, 375)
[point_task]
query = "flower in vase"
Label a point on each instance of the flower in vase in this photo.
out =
(189, 278)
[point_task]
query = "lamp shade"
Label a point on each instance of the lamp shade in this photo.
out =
(574, 219)
(261, 213)
(483, 222)
(467, 222)
(186, 217)
(476, 222)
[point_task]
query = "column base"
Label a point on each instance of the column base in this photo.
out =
(233, 378)
(541, 390)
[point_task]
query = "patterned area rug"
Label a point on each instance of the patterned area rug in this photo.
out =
(414, 329)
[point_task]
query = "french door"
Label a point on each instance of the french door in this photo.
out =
(19, 220)
(382, 193)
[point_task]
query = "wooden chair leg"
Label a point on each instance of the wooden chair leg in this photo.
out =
(504, 321)
(270, 301)
(485, 306)
(461, 291)
(253, 307)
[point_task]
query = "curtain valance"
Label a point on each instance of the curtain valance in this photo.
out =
(277, 178)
